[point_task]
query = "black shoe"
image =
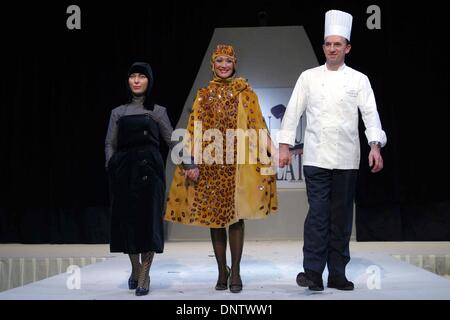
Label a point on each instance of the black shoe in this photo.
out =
(310, 279)
(132, 284)
(224, 286)
(142, 291)
(340, 283)
(236, 287)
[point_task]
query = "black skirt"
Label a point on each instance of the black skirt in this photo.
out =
(137, 186)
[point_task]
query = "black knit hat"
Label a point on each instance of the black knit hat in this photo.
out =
(145, 69)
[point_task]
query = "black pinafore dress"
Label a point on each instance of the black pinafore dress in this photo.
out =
(137, 185)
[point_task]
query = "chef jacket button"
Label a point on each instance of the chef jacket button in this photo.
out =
(144, 178)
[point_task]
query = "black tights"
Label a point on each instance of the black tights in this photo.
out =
(219, 241)
(140, 270)
(135, 265)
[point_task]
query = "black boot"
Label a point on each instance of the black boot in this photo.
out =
(340, 283)
(311, 279)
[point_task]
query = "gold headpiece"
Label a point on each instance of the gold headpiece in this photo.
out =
(224, 50)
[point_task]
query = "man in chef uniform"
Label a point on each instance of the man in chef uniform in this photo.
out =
(331, 95)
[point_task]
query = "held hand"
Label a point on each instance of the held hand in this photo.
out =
(284, 155)
(275, 156)
(375, 159)
(195, 174)
(192, 174)
(186, 173)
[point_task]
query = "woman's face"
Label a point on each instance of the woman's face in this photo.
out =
(138, 83)
(223, 66)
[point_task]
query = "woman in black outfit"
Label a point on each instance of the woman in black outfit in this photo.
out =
(136, 173)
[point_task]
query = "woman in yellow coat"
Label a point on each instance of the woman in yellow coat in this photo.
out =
(229, 186)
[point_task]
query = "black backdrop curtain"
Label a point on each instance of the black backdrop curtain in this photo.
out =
(58, 87)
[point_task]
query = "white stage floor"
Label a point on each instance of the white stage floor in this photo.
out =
(187, 271)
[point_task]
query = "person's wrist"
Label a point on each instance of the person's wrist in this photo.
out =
(376, 144)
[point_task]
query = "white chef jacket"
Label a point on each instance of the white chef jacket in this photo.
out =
(331, 100)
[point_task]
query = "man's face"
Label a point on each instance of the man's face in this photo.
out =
(335, 49)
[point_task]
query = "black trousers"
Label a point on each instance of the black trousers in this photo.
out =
(328, 224)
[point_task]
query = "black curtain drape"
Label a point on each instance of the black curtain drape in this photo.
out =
(58, 87)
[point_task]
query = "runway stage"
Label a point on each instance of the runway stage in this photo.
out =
(187, 271)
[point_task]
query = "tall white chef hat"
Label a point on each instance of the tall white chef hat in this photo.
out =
(338, 23)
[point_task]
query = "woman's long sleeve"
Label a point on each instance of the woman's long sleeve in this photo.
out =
(111, 138)
(166, 130)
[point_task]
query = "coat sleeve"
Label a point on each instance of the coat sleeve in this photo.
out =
(256, 193)
(255, 120)
(368, 108)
